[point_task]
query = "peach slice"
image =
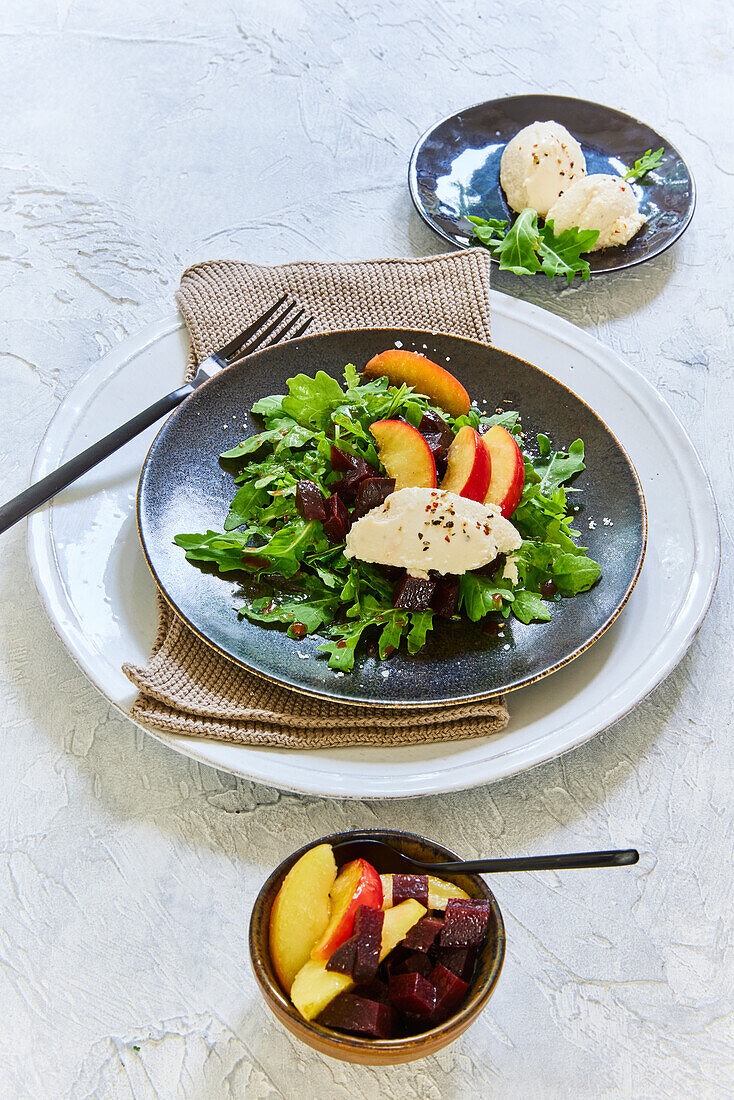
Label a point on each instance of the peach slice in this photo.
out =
(405, 454)
(508, 470)
(469, 466)
(358, 883)
(423, 375)
(315, 986)
(301, 911)
(440, 892)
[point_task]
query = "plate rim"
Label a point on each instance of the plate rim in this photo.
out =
(413, 178)
(255, 764)
(397, 704)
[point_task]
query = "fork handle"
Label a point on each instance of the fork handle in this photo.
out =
(617, 858)
(47, 487)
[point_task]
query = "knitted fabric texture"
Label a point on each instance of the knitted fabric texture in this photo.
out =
(186, 687)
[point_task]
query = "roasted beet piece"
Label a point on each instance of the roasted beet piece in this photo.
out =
(433, 424)
(414, 964)
(342, 960)
(368, 936)
(337, 521)
(466, 923)
(421, 935)
(341, 460)
(439, 451)
(373, 991)
(348, 486)
(372, 492)
(445, 600)
(410, 886)
(450, 991)
(411, 993)
(459, 960)
(413, 594)
(309, 501)
(349, 1012)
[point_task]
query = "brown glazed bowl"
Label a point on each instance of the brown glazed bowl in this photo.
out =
(354, 1048)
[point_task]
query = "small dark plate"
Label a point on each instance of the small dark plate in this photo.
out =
(455, 170)
(183, 488)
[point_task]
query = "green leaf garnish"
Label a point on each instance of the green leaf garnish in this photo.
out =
(645, 164)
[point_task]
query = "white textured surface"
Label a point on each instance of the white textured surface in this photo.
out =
(137, 138)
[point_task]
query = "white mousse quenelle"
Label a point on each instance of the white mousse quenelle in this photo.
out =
(424, 529)
(600, 202)
(539, 164)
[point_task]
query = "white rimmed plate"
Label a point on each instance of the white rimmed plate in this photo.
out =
(95, 585)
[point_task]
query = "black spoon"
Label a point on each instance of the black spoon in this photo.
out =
(390, 861)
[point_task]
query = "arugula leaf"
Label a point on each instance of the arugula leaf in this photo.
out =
(225, 550)
(518, 251)
(528, 606)
(488, 231)
(574, 573)
(479, 595)
(421, 623)
(645, 164)
(284, 550)
(312, 612)
(270, 406)
(561, 255)
(311, 401)
(248, 501)
(555, 467)
(527, 248)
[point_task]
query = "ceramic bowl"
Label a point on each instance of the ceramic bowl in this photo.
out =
(353, 1048)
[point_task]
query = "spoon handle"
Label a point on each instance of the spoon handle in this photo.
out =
(615, 858)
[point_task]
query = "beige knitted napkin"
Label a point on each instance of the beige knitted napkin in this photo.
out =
(186, 687)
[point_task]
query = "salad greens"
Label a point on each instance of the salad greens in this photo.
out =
(527, 247)
(645, 164)
(296, 578)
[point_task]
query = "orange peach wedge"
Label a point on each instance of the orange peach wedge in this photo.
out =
(469, 466)
(423, 375)
(358, 883)
(405, 454)
(301, 911)
(508, 470)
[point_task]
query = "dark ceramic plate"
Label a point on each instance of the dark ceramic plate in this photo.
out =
(455, 170)
(183, 488)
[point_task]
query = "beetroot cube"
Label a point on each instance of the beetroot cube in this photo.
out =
(413, 594)
(410, 886)
(373, 991)
(446, 596)
(347, 1012)
(309, 501)
(368, 936)
(342, 460)
(434, 424)
(372, 492)
(348, 486)
(411, 993)
(343, 958)
(337, 521)
(395, 959)
(416, 963)
(450, 992)
(466, 923)
(421, 935)
(459, 960)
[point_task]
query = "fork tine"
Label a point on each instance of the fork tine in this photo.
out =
(262, 342)
(261, 337)
(235, 344)
(300, 331)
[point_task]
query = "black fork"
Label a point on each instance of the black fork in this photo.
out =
(276, 324)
